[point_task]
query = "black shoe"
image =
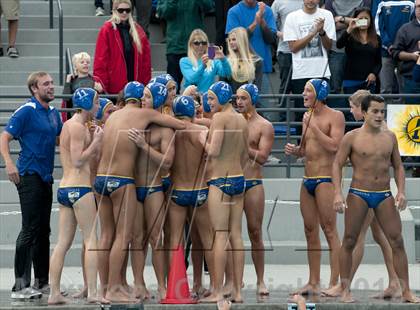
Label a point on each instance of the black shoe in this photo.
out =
(1, 52)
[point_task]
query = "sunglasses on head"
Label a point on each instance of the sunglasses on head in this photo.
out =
(122, 10)
(197, 43)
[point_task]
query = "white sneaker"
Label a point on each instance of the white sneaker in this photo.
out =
(26, 293)
(99, 11)
(273, 160)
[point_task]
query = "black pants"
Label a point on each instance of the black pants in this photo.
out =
(173, 67)
(143, 10)
(33, 242)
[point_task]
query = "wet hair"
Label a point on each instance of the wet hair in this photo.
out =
(372, 37)
(366, 101)
(33, 79)
(358, 96)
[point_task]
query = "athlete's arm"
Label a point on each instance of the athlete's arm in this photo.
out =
(339, 161)
(203, 121)
(399, 175)
(168, 148)
(79, 156)
(217, 134)
(332, 142)
(265, 145)
(11, 169)
(165, 120)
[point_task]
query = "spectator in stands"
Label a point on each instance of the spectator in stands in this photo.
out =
(81, 78)
(258, 19)
(221, 9)
(10, 10)
(407, 50)
(37, 126)
(246, 66)
(363, 52)
(416, 71)
(143, 13)
(182, 17)
(309, 32)
(389, 16)
(122, 51)
(198, 69)
(341, 10)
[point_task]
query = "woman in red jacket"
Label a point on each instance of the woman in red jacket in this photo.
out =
(122, 50)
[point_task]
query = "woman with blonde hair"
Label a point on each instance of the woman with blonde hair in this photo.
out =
(246, 66)
(204, 62)
(122, 50)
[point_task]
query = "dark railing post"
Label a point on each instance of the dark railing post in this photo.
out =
(51, 14)
(60, 38)
(288, 135)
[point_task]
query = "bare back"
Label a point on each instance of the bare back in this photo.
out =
(371, 156)
(73, 176)
(229, 129)
(318, 159)
(189, 162)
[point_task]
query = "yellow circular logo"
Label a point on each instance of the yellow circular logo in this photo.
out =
(413, 129)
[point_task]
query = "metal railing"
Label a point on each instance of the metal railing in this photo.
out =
(287, 137)
(60, 35)
(69, 63)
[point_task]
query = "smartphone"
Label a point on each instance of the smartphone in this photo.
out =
(361, 22)
(211, 51)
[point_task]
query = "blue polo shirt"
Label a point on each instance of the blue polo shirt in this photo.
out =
(36, 129)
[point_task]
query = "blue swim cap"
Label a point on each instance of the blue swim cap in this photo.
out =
(133, 90)
(321, 87)
(103, 103)
(184, 106)
(252, 91)
(206, 106)
(159, 94)
(222, 91)
(83, 98)
(164, 79)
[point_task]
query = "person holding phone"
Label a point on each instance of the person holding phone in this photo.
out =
(204, 62)
(363, 49)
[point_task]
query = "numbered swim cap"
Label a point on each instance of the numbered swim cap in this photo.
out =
(83, 98)
(165, 79)
(159, 94)
(206, 106)
(184, 106)
(103, 104)
(222, 91)
(321, 87)
(252, 91)
(133, 91)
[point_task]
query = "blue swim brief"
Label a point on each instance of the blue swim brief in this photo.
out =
(311, 183)
(67, 196)
(166, 183)
(250, 183)
(372, 198)
(190, 198)
(229, 185)
(107, 184)
(143, 191)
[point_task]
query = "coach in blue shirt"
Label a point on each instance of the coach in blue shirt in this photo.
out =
(36, 125)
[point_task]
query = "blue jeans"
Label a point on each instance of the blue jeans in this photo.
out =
(411, 87)
(337, 62)
(268, 102)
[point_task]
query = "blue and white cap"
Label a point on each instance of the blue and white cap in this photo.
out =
(206, 106)
(252, 91)
(133, 91)
(83, 98)
(159, 94)
(103, 104)
(222, 91)
(321, 88)
(164, 79)
(184, 106)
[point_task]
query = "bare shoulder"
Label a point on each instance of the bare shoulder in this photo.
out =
(336, 115)
(389, 133)
(265, 124)
(198, 127)
(351, 135)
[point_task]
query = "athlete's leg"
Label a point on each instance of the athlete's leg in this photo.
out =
(235, 227)
(390, 221)
(154, 212)
(138, 253)
(393, 289)
(310, 216)
(254, 210)
(219, 211)
(124, 203)
(67, 228)
(324, 194)
(85, 212)
(353, 220)
(83, 292)
(106, 238)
